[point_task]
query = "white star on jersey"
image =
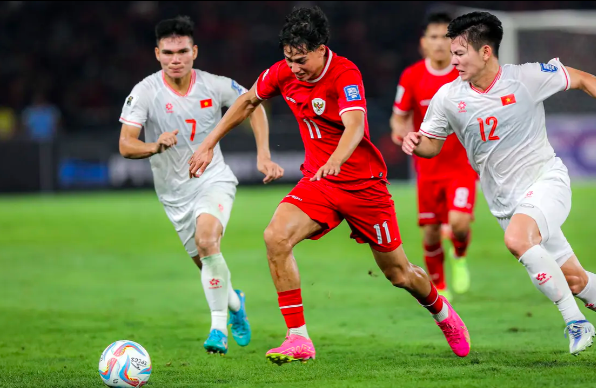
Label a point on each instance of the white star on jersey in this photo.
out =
(502, 129)
(156, 107)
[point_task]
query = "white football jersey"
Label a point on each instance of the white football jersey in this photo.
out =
(502, 129)
(156, 107)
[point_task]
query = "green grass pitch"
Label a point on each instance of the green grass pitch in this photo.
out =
(78, 272)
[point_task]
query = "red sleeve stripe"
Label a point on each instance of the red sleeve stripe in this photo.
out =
(567, 85)
(341, 112)
(434, 136)
(131, 122)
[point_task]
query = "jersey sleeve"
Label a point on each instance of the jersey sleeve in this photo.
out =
(405, 94)
(435, 124)
(228, 90)
(268, 83)
(136, 107)
(350, 91)
(544, 79)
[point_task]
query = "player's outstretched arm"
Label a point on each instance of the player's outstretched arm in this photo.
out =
(582, 80)
(420, 145)
(354, 122)
(260, 128)
(133, 148)
(400, 126)
(244, 106)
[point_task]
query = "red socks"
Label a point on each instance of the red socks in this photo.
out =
(460, 247)
(290, 304)
(432, 302)
(434, 257)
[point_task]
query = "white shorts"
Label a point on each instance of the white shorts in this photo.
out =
(215, 199)
(548, 202)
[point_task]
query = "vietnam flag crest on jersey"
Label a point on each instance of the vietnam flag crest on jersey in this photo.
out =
(508, 99)
(206, 103)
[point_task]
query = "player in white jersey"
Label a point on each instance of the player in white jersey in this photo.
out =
(497, 113)
(178, 107)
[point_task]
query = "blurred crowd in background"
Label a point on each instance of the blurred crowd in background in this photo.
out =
(69, 67)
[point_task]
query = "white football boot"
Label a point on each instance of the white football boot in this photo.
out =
(580, 335)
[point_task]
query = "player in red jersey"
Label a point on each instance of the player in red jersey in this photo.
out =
(344, 177)
(447, 183)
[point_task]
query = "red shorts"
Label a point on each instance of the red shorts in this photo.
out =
(437, 198)
(370, 212)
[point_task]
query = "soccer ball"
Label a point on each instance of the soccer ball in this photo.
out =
(125, 364)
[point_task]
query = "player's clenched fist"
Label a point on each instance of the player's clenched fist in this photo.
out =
(410, 142)
(166, 140)
(199, 161)
(332, 167)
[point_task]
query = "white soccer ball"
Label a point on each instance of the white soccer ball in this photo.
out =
(125, 364)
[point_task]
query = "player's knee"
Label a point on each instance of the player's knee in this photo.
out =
(460, 228)
(207, 244)
(276, 241)
(517, 244)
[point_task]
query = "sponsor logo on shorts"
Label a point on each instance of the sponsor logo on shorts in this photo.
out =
(290, 99)
(543, 278)
(221, 208)
(526, 205)
(529, 194)
(293, 196)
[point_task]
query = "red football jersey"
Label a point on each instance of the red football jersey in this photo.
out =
(318, 106)
(417, 86)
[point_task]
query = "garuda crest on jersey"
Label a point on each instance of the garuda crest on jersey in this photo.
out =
(318, 105)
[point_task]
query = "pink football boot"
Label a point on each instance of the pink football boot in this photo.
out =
(455, 331)
(294, 348)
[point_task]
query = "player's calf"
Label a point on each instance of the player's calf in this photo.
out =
(581, 282)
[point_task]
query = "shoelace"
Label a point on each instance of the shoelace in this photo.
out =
(574, 330)
(217, 336)
(451, 332)
(238, 320)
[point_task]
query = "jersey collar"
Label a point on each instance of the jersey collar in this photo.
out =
(325, 69)
(436, 72)
(193, 78)
(497, 77)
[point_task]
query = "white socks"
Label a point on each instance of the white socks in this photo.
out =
(301, 331)
(215, 277)
(588, 294)
(233, 299)
(443, 314)
(549, 279)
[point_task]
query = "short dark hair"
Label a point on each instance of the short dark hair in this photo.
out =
(478, 29)
(305, 27)
(178, 26)
(436, 18)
